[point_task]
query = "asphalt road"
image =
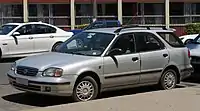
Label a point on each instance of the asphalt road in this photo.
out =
(14, 100)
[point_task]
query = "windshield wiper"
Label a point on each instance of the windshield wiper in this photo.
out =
(78, 53)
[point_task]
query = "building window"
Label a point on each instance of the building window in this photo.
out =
(177, 11)
(129, 9)
(61, 10)
(32, 10)
(112, 6)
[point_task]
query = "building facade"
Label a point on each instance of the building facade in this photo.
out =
(57, 12)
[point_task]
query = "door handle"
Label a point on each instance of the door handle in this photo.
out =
(165, 55)
(5, 44)
(135, 59)
(30, 37)
(51, 36)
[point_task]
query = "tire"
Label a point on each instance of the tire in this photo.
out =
(56, 45)
(168, 80)
(85, 84)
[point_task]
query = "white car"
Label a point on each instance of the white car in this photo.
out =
(187, 38)
(26, 39)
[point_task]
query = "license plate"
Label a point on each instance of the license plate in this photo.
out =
(22, 81)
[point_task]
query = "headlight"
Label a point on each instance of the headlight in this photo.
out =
(13, 66)
(53, 72)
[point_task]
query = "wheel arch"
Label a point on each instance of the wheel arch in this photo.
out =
(175, 68)
(54, 44)
(91, 74)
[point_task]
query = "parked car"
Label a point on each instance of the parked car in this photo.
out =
(25, 39)
(105, 59)
(99, 24)
(188, 38)
(194, 47)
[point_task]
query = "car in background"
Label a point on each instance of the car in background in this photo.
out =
(188, 38)
(105, 59)
(24, 39)
(99, 24)
(194, 47)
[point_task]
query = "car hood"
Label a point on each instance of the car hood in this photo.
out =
(3, 36)
(194, 49)
(51, 59)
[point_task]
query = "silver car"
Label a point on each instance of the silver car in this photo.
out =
(194, 47)
(99, 60)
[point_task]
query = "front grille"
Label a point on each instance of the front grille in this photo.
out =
(29, 87)
(27, 71)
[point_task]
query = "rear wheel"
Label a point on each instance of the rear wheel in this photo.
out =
(187, 41)
(55, 46)
(86, 89)
(168, 79)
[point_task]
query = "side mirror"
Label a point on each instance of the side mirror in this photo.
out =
(115, 51)
(16, 34)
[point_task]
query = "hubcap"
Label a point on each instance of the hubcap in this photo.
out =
(85, 91)
(169, 80)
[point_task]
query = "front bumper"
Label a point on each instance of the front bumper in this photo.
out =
(64, 88)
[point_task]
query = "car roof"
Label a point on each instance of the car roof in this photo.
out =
(128, 30)
(25, 23)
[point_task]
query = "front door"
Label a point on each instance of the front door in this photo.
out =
(154, 56)
(22, 44)
(123, 68)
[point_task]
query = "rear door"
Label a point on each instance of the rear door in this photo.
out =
(44, 38)
(154, 56)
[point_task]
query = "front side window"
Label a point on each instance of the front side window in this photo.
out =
(171, 38)
(125, 43)
(25, 30)
(147, 42)
(5, 29)
(87, 43)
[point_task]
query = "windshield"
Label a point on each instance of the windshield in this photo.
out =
(87, 43)
(196, 40)
(5, 29)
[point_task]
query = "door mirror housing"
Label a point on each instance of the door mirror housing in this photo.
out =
(16, 34)
(115, 51)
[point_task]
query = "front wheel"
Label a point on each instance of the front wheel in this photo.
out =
(168, 79)
(86, 89)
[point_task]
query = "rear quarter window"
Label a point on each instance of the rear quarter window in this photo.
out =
(171, 39)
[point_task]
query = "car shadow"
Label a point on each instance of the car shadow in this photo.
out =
(36, 99)
(9, 60)
(45, 100)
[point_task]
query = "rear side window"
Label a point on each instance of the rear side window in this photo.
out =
(171, 38)
(44, 29)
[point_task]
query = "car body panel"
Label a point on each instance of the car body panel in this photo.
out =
(184, 38)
